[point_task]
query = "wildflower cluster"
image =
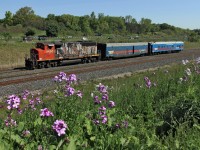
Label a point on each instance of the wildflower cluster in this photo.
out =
(69, 90)
(25, 94)
(46, 113)
(148, 82)
(63, 77)
(102, 117)
(33, 102)
(59, 126)
(9, 122)
(13, 102)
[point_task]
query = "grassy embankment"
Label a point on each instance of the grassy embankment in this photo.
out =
(13, 52)
(157, 109)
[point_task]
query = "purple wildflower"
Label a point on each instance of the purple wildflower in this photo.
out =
(39, 147)
(96, 121)
(104, 119)
(26, 133)
(125, 123)
(105, 96)
(96, 100)
(38, 100)
(72, 78)
(111, 104)
(10, 122)
(46, 113)
(148, 82)
(69, 90)
(59, 126)
(102, 108)
(25, 94)
(62, 76)
(13, 102)
(79, 94)
(117, 125)
(19, 111)
(101, 88)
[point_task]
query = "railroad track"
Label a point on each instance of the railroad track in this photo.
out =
(85, 68)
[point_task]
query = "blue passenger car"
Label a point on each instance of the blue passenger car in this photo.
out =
(117, 50)
(165, 47)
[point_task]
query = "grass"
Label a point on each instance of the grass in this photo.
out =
(13, 53)
(160, 112)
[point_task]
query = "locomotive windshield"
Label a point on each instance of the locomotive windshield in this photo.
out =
(40, 45)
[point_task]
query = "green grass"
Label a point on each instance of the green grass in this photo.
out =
(162, 116)
(13, 53)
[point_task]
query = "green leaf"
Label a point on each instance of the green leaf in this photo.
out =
(52, 147)
(38, 121)
(60, 144)
(177, 144)
(92, 138)
(4, 145)
(88, 126)
(196, 126)
(20, 126)
(17, 138)
(122, 140)
(72, 145)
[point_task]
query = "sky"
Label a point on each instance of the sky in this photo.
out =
(179, 13)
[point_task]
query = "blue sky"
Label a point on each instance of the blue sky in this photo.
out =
(180, 13)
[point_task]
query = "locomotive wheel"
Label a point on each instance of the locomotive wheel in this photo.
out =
(83, 61)
(55, 64)
(48, 65)
(40, 66)
(93, 60)
(88, 60)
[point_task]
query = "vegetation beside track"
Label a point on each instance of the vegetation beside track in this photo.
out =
(156, 109)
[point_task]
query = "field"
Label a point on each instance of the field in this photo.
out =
(14, 51)
(157, 109)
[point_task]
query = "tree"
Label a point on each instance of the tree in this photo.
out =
(30, 32)
(85, 25)
(128, 19)
(92, 16)
(23, 16)
(193, 37)
(145, 25)
(52, 29)
(7, 36)
(8, 20)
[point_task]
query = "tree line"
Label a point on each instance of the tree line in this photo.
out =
(92, 24)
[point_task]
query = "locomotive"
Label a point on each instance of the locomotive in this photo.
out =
(49, 54)
(52, 54)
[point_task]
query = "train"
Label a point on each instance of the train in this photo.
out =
(52, 54)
